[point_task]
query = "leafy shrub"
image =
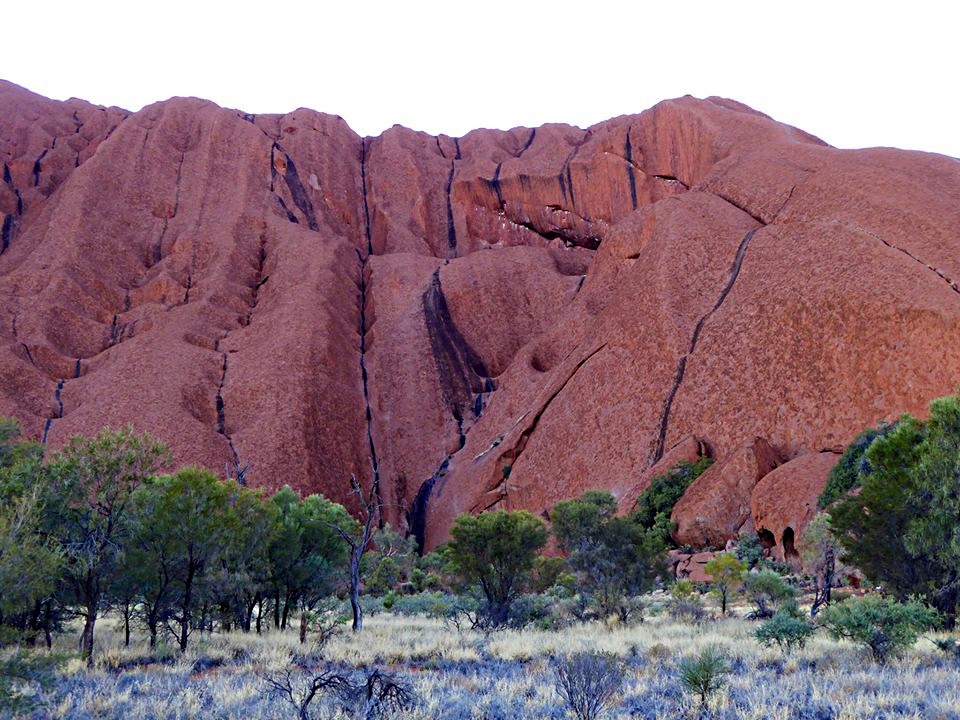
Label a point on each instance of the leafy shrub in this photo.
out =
(767, 589)
(703, 674)
(787, 630)
(654, 506)
(588, 682)
(749, 550)
(884, 625)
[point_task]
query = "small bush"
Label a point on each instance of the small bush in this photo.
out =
(588, 682)
(767, 589)
(703, 675)
(885, 626)
(656, 503)
(787, 630)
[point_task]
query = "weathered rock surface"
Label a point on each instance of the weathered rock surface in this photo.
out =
(716, 506)
(784, 502)
(499, 320)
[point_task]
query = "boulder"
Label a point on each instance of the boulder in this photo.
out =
(785, 501)
(717, 504)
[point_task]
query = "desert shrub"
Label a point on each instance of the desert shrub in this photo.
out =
(703, 675)
(767, 589)
(614, 558)
(885, 626)
(685, 604)
(431, 604)
(655, 504)
(588, 682)
(787, 630)
(749, 550)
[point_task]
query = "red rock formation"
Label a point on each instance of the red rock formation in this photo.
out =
(784, 502)
(499, 320)
(715, 507)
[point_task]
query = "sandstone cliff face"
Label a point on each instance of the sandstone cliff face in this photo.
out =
(499, 320)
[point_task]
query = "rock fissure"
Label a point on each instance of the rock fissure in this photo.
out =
(694, 338)
(631, 174)
(513, 454)
(451, 227)
(222, 409)
(951, 283)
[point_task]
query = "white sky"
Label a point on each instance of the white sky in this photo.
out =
(857, 74)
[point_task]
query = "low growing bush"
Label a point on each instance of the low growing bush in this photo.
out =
(884, 625)
(588, 682)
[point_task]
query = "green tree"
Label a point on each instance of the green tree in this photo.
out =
(613, 557)
(726, 576)
(189, 527)
(899, 529)
(497, 551)
(851, 467)
(884, 625)
(91, 482)
(29, 563)
(306, 554)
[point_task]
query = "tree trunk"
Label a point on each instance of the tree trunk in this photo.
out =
(259, 612)
(355, 558)
(185, 609)
(126, 624)
(303, 627)
(276, 611)
(283, 618)
(86, 638)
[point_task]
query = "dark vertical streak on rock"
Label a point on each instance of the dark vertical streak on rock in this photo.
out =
(417, 516)
(158, 248)
(533, 134)
(222, 410)
(366, 206)
(451, 227)
(460, 371)
(631, 175)
(37, 167)
(6, 233)
(365, 380)
(6, 175)
(694, 338)
(299, 193)
(567, 188)
(456, 144)
(495, 184)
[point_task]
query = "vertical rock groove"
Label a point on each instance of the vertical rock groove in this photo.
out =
(222, 410)
(631, 176)
(364, 377)
(694, 338)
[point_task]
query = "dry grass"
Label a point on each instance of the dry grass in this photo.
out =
(467, 675)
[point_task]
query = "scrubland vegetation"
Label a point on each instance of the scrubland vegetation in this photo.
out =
(126, 592)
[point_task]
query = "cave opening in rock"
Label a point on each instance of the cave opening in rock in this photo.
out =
(767, 539)
(790, 553)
